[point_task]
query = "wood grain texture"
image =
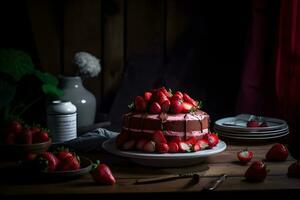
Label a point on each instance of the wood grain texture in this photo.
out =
(145, 25)
(275, 181)
(176, 24)
(44, 18)
(82, 32)
(113, 45)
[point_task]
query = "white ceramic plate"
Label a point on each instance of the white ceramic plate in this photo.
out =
(164, 160)
(237, 124)
(254, 138)
(252, 134)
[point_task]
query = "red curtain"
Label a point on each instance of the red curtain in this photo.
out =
(288, 68)
(257, 91)
(270, 83)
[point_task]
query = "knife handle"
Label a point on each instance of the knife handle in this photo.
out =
(157, 179)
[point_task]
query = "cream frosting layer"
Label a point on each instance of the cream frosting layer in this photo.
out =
(172, 133)
(174, 117)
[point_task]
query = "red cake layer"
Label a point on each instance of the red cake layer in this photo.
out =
(182, 125)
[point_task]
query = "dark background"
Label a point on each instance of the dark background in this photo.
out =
(199, 47)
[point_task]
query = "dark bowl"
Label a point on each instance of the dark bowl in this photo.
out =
(85, 167)
(20, 151)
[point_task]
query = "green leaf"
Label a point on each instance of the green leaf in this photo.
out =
(131, 106)
(52, 91)
(7, 93)
(200, 103)
(46, 78)
(15, 63)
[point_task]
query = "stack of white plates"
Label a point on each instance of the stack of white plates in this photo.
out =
(236, 128)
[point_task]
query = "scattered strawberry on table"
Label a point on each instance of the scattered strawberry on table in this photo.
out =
(102, 174)
(278, 152)
(294, 170)
(17, 132)
(245, 156)
(256, 172)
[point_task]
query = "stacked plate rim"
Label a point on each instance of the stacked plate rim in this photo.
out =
(236, 128)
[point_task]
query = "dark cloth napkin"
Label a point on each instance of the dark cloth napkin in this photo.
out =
(90, 141)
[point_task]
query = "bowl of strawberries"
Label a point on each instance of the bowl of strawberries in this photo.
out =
(21, 141)
(58, 163)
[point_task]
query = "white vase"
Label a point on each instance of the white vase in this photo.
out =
(84, 100)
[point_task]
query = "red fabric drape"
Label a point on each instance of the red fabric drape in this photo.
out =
(288, 67)
(270, 83)
(257, 93)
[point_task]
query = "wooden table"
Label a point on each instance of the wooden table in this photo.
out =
(127, 172)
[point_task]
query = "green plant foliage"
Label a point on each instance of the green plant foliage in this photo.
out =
(52, 90)
(15, 63)
(46, 78)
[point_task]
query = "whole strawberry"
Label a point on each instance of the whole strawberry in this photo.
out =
(68, 161)
(165, 91)
(179, 95)
(122, 138)
(155, 108)
(188, 99)
(212, 139)
(102, 174)
(47, 161)
(176, 106)
(162, 148)
(63, 153)
(245, 156)
(147, 96)
(253, 124)
(294, 169)
(140, 104)
(278, 152)
(158, 137)
(41, 136)
(161, 97)
(257, 172)
(173, 147)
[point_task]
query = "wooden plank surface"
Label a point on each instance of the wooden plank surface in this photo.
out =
(127, 173)
(86, 186)
(113, 56)
(45, 28)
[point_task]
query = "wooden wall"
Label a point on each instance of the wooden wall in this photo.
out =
(114, 30)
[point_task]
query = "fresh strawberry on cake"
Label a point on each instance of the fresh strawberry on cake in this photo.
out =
(164, 122)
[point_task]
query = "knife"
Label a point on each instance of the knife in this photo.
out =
(194, 176)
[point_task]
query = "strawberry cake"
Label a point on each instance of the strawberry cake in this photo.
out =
(162, 122)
